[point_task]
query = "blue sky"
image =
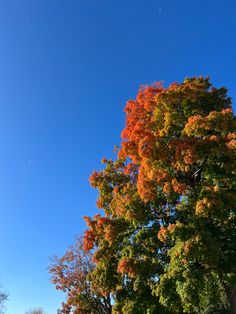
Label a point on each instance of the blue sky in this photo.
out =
(67, 68)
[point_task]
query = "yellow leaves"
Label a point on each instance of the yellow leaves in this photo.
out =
(167, 188)
(110, 233)
(195, 126)
(202, 206)
(157, 174)
(215, 122)
(168, 122)
(187, 246)
(232, 140)
(212, 204)
(216, 188)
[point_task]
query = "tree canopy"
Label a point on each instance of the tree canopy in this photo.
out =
(164, 240)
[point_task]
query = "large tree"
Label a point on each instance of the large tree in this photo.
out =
(169, 203)
(165, 240)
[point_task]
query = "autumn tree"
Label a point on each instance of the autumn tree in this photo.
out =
(167, 238)
(3, 299)
(70, 274)
(164, 240)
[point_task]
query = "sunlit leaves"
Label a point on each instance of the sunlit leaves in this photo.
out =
(165, 240)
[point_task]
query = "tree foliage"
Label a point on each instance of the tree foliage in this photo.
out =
(70, 274)
(165, 239)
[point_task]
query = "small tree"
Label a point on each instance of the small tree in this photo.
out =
(37, 310)
(3, 299)
(71, 274)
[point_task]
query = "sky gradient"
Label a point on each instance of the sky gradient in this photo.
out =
(67, 68)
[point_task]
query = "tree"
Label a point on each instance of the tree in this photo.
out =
(3, 299)
(70, 273)
(167, 237)
(37, 310)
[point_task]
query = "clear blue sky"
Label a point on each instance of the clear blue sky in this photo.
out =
(67, 68)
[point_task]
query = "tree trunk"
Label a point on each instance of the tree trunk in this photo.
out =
(231, 296)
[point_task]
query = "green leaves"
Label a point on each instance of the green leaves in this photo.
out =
(165, 241)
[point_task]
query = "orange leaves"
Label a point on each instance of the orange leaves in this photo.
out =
(193, 122)
(127, 266)
(89, 240)
(157, 174)
(175, 126)
(130, 169)
(175, 169)
(171, 227)
(91, 233)
(146, 187)
(71, 274)
(231, 141)
(179, 188)
(232, 144)
(122, 200)
(164, 232)
(110, 232)
(231, 136)
(139, 121)
(214, 122)
(146, 146)
(100, 228)
(129, 149)
(93, 178)
(185, 152)
(213, 203)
